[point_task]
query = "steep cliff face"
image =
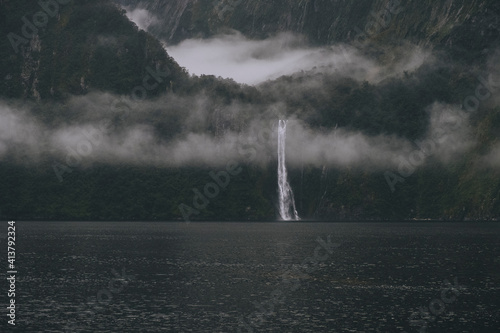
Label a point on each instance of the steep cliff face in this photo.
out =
(459, 24)
(31, 68)
(48, 52)
(91, 46)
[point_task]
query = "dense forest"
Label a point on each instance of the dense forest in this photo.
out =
(408, 142)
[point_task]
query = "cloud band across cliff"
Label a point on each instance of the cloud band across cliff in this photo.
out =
(104, 135)
(255, 61)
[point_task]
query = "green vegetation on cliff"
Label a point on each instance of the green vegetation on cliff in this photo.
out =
(90, 50)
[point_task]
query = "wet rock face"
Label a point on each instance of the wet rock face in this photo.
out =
(30, 68)
(327, 21)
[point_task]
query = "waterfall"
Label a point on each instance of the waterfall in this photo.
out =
(286, 201)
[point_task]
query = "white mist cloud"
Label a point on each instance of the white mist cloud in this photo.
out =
(492, 159)
(241, 59)
(19, 131)
(254, 61)
(141, 17)
(93, 136)
(450, 131)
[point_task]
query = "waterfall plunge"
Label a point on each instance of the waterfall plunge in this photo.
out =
(286, 201)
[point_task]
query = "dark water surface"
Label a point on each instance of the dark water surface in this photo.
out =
(249, 277)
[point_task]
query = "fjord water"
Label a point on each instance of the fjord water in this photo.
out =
(209, 277)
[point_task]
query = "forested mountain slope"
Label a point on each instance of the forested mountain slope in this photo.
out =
(98, 121)
(468, 27)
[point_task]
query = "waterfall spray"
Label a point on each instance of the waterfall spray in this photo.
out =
(286, 201)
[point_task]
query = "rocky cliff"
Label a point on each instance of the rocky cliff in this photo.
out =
(465, 25)
(71, 48)
(57, 72)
